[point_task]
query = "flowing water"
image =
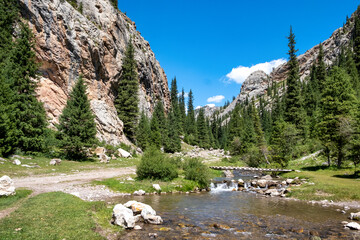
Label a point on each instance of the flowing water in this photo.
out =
(226, 214)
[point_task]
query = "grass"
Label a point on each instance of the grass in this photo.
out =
(6, 202)
(124, 186)
(329, 182)
(57, 216)
(66, 166)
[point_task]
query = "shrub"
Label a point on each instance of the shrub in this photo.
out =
(156, 165)
(196, 171)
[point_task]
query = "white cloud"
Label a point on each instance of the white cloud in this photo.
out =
(198, 107)
(240, 73)
(211, 105)
(216, 99)
(186, 94)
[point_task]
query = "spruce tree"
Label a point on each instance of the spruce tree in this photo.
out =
(202, 130)
(155, 135)
(127, 100)
(337, 104)
(293, 101)
(182, 110)
(321, 68)
(356, 35)
(173, 143)
(190, 120)
(159, 114)
(259, 134)
(143, 132)
(77, 127)
(28, 114)
(175, 105)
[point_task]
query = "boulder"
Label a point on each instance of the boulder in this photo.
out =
(138, 207)
(353, 226)
(241, 183)
(99, 151)
(272, 192)
(123, 216)
(152, 219)
(355, 216)
(157, 187)
(103, 158)
(123, 153)
(139, 192)
(55, 161)
(16, 162)
(7, 187)
(289, 181)
(262, 183)
(137, 227)
(138, 218)
(267, 177)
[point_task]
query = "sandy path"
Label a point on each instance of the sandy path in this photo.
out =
(73, 183)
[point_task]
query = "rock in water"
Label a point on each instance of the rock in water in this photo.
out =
(139, 192)
(157, 187)
(123, 153)
(153, 219)
(353, 226)
(16, 162)
(123, 216)
(355, 216)
(7, 187)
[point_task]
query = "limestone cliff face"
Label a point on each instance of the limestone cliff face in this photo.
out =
(256, 84)
(92, 43)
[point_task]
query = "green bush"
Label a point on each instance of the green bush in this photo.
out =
(196, 171)
(156, 165)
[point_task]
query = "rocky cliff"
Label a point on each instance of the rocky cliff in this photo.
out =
(90, 38)
(256, 84)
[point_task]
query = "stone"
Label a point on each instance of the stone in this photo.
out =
(123, 153)
(147, 211)
(138, 218)
(241, 183)
(228, 173)
(16, 162)
(289, 180)
(139, 193)
(262, 183)
(103, 158)
(353, 226)
(123, 216)
(273, 192)
(99, 150)
(153, 235)
(355, 216)
(157, 187)
(17, 156)
(55, 161)
(152, 219)
(7, 187)
(137, 227)
(2, 160)
(267, 177)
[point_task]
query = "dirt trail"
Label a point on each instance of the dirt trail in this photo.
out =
(73, 183)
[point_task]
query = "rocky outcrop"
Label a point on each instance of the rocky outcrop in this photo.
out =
(256, 84)
(208, 111)
(92, 43)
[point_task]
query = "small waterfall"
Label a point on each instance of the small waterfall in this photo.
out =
(221, 187)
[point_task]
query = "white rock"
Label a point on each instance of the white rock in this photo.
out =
(289, 180)
(262, 183)
(353, 226)
(157, 187)
(137, 227)
(7, 187)
(138, 218)
(100, 150)
(103, 158)
(16, 162)
(355, 216)
(267, 177)
(272, 192)
(123, 153)
(123, 216)
(152, 219)
(147, 211)
(55, 161)
(139, 192)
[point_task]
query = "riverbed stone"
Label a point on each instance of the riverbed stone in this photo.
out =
(289, 181)
(267, 177)
(262, 183)
(355, 216)
(152, 219)
(7, 187)
(139, 192)
(137, 227)
(272, 192)
(123, 216)
(353, 226)
(241, 183)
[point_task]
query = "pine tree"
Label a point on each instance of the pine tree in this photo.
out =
(77, 127)
(143, 132)
(321, 68)
(173, 143)
(127, 100)
(182, 110)
(155, 135)
(337, 105)
(293, 101)
(202, 130)
(190, 120)
(259, 134)
(175, 105)
(356, 35)
(159, 114)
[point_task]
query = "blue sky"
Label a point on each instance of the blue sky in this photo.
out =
(202, 41)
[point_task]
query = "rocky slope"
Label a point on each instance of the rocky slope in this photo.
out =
(90, 38)
(256, 84)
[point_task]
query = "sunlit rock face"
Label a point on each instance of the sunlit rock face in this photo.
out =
(92, 43)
